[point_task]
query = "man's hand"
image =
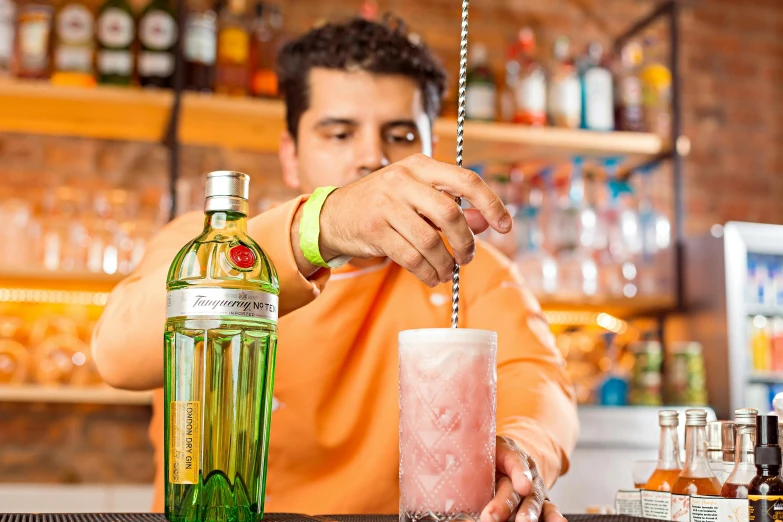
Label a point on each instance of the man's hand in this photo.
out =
(398, 211)
(520, 494)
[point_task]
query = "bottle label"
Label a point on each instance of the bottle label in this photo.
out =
(599, 101)
(566, 99)
(33, 42)
(631, 92)
(212, 302)
(74, 24)
(233, 45)
(158, 30)
(763, 508)
(184, 442)
(480, 102)
(115, 62)
(200, 40)
(73, 58)
(531, 93)
(156, 64)
(7, 27)
(115, 28)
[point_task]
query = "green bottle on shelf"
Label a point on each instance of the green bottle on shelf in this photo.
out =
(115, 32)
(158, 34)
(220, 345)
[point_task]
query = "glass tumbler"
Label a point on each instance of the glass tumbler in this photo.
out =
(448, 387)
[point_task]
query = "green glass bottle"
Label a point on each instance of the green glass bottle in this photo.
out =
(220, 346)
(115, 32)
(158, 34)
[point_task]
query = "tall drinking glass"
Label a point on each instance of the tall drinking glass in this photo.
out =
(448, 384)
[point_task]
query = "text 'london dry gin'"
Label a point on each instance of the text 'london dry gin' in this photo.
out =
(220, 345)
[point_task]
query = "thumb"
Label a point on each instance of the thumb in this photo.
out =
(476, 221)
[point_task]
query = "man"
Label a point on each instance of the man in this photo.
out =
(361, 99)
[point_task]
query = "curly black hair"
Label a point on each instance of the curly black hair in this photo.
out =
(383, 48)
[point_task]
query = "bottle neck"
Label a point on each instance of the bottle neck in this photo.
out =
(746, 445)
(226, 221)
(768, 471)
(695, 445)
(669, 449)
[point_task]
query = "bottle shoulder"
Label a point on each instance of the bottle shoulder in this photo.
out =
(761, 485)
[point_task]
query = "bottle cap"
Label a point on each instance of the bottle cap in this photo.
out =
(767, 430)
(695, 417)
(714, 435)
(745, 416)
(668, 418)
(227, 183)
(727, 436)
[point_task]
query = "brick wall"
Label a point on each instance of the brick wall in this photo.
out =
(732, 65)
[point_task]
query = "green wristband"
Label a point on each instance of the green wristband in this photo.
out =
(310, 230)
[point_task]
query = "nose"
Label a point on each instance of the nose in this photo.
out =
(370, 154)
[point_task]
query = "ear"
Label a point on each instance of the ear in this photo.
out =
(288, 159)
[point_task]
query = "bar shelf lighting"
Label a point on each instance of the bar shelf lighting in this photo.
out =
(33, 295)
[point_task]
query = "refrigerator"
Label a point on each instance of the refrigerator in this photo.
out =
(733, 306)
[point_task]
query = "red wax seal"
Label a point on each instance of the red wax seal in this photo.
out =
(242, 256)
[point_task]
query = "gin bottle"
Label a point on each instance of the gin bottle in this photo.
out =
(220, 345)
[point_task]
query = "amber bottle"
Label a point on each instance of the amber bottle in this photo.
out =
(765, 491)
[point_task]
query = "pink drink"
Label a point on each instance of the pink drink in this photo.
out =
(448, 382)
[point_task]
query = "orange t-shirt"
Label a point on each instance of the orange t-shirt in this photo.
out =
(334, 442)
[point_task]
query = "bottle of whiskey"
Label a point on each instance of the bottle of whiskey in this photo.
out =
(34, 26)
(669, 467)
(7, 30)
(765, 491)
(220, 343)
(736, 485)
(73, 45)
(200, 46)
(233, 50)
(696, 478)
(115, 34)
(158, 44)
(266, 38)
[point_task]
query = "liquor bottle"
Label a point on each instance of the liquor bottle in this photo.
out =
(115, 34)
(508, 93)
(531, 87)
(233, 50)
(200, 46)
(265, 41)
(765, 491)
(715, 450)
(760, 345)
(34, 26)
(73, 45)
(7, 29)
(220, 344)
(696, 477)
(656, 90)
(629, 113)
(480, 88)
(597, 92)
(158, 34)
(736, 486)
(669, 467)
(565, 96)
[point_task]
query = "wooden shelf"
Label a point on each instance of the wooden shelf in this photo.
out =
(51, 280)
(255, 125)
(623, 308)
(72, 394)
(35, 107)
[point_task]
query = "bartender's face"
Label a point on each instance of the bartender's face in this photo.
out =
(357, 122)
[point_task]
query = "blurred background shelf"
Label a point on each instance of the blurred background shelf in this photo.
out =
(765, 310)
(101, 112)
(73, 395)
(256, 124)
(765, 378)
(623, 308)
(31, 280)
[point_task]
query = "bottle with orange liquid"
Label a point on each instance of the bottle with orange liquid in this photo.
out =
(669, 466)
(696, 478)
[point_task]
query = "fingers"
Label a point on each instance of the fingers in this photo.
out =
(503, 505)
(530, 510)
(551, 513)
(426, 240)
(512, 462)
(407, 256)
(462, 183)
(444, 213)
(476, 221)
